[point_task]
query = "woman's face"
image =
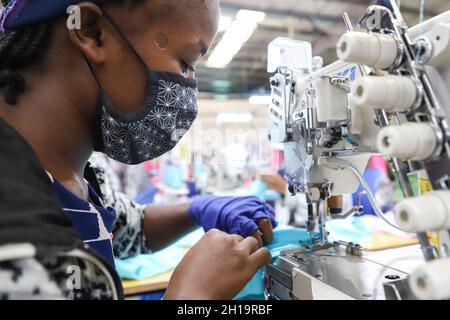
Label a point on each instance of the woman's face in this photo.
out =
(169, 35)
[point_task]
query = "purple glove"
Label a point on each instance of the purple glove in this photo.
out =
(230, 214)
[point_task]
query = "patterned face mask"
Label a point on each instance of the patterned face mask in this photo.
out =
(169, 109)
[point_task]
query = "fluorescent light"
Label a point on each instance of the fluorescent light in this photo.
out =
(234, 117)
(262, 100)
(238, 33)
(224, 24)
(250, 15)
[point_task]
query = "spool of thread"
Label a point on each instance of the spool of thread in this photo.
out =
(432, 281)
(375, 50)
(409, 141)
(391, 93)
(430, 212)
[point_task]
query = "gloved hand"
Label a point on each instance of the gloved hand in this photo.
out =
(243, 215)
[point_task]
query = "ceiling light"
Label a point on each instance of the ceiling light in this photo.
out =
(224, 24)
(236, 35)
(250, 15)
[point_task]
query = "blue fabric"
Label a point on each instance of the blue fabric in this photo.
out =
(93, 221)
(373, 177)
(233, 215)
(353, 229)
(285, 238)
(147, 265)
(22, 12)
(258, 189)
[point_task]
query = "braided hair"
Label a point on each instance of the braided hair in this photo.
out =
(23, 47)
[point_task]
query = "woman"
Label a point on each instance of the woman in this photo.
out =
(117, 77)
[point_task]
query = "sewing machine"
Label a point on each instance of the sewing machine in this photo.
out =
(388, 94)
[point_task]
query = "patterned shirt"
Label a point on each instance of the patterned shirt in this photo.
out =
(128, 237)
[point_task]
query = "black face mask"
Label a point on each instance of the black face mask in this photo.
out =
(168, 111)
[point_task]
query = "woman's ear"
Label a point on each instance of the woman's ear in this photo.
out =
(86, 31)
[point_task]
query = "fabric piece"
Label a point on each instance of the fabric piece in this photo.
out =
(258, 189)
(361, 229)
(148, 265)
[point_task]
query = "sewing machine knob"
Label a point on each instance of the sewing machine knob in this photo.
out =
(274, 82)
(314, 194)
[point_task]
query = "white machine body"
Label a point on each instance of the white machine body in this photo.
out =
(388, 94)
(312, 116)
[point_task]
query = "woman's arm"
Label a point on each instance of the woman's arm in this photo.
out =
(165, 224)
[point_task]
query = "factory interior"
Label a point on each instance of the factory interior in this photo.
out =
(303, 155)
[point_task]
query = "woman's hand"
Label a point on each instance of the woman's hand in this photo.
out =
(218, 267)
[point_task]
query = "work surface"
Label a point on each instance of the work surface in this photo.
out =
(156, 283)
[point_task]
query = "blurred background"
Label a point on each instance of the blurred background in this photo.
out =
(223, 73)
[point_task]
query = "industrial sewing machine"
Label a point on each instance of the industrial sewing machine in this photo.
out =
(388, 94)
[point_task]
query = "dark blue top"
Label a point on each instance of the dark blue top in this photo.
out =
(92, 220)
